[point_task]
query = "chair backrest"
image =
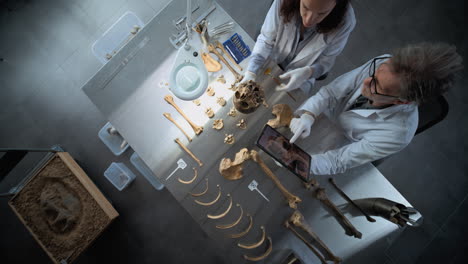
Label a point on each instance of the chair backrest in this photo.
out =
(432, 112)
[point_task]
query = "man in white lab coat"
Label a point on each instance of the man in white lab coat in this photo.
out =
(303, 37)
(377, 104)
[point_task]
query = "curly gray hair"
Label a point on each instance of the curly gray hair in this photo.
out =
(426, 70)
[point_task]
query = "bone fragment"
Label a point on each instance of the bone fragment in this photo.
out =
(221, 47)
(232, 112)
(210, 91)
(218, 124)
(189, 152)
(209, 112)
(229, 139)
(169, 117)
(212, 49)
(283, 115)
(310, 184)
(232, 170)
(292, 199)
(349, 200)
(170, 100)
(221, 101)
(211, 64)
(349, 228)
(242, 124)
(264, 255)
(197, 102)
(221, 79)
(297, 220)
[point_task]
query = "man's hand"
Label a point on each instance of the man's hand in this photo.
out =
(296, 78)
(248, 76)
(301, 126)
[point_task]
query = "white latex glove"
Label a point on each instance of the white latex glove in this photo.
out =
(248, 76)
(296, 78)
(301, 126)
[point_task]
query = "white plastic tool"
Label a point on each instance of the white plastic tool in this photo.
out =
(180, 165)
(254, 186)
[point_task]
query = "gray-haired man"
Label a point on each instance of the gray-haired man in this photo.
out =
(376, 104)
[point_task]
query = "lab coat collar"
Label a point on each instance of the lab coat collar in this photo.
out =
(385, 112)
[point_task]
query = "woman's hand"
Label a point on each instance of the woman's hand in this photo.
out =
(296, 78)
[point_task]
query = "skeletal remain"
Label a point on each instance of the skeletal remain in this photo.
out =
(232, 170)
(209, 112)
(242, 124)
(229, 139)
(248, 97)
(223, 214)
(283, 115)
(218, 124)
(221, 47)
(197, 102)
(221, 101)
(189, 152)
(212, 202)
(191, 180)
(170, 100)
(292, 199)
(232, 112)
(264, 255)
(135, 29)
(256, 244)
(243, 233)
(169, 117)
(210, 91)
(297, 220)
(60, 206)
(112, 131)
(235, 222)
(212, 49)
(211, 64)
(203, 192)
(233, 87)
(349, 228)
(311, 183)
(346, 197)
(221, 79)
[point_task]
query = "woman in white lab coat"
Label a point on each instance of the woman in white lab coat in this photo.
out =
(303, 37)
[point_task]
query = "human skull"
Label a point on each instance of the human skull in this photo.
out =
(60, 206)
(248, 97)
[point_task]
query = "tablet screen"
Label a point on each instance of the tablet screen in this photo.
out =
(289, 155)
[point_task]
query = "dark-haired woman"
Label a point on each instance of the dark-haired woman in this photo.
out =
(303, 37)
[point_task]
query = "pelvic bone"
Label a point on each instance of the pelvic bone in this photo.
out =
(232, 170)
(283, 114)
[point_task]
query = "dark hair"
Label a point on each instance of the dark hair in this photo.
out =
(290, 8)
(426, 70)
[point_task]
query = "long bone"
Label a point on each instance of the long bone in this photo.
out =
(346, 197)
(212, 49)
(349, 228)
(292, 199)
(169, 117)
(170, 100)
(189, 152)
(297, 220)
(221, 47)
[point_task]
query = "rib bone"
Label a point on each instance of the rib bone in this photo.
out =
(297, 220)
(188, 152)
(349, 228)
(170, 100)
(291, 198)
(169, 117)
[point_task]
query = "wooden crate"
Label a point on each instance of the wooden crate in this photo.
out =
(82, 214)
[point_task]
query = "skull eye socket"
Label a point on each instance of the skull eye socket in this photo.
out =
(244, 104)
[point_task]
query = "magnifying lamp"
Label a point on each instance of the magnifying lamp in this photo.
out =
(189, 77)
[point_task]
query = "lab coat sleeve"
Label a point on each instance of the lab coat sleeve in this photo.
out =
(352, 155)
(266, 40)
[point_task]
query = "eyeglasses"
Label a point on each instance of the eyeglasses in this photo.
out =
(373, 83)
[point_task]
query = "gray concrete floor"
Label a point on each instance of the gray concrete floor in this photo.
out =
(46, 51)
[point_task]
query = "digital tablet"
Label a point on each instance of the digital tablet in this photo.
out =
(289, 155)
